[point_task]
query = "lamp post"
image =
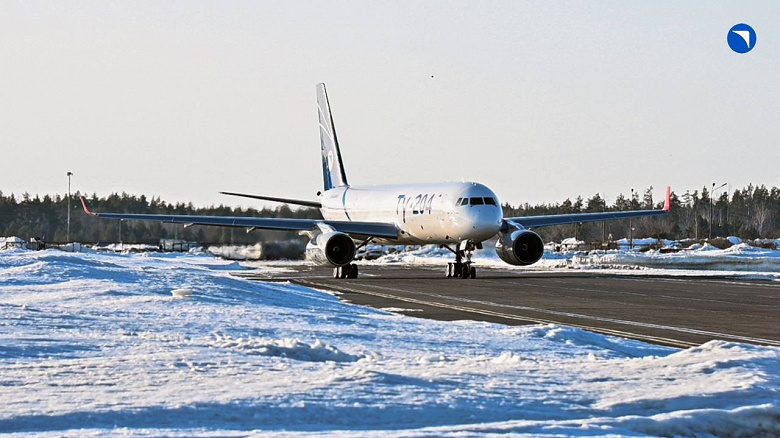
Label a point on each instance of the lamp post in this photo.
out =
(712, 195)
(68, 234)
(631, 225)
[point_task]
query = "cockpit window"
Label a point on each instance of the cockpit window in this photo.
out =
(476, 201)
(459, 201)
(490, 201)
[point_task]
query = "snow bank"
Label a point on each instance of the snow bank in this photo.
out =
(77, 247)
(734, 240)
(571, 242)
(95, 345)
(287, 348)
(738, 260)
(11, 243)
(237, 252)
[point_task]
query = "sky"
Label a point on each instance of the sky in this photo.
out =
(541, 101)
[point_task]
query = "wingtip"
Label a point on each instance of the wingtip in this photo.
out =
(668, 202)
(86, 209)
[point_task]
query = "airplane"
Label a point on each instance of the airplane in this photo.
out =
(458, 216)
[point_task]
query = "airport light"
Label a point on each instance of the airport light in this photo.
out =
(712, 195)
(68, 233)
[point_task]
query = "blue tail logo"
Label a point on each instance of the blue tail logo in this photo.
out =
(332, 167)
(741, 38)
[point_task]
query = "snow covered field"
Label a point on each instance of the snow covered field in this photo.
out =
(100, 345)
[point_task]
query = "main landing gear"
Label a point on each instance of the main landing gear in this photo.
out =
(350, 270)
(346, 271)
(461, 268)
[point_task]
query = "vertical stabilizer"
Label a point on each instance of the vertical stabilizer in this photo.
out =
(332, 167)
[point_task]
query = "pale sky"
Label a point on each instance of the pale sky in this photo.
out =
(538, 100)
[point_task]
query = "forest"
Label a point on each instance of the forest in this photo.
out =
(749, 213)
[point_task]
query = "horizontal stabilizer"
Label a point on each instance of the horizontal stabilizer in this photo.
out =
(274, 199)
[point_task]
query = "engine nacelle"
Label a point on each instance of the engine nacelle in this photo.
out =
(331, 249)
(519, 247)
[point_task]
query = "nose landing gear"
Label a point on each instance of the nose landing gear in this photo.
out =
(460, 268)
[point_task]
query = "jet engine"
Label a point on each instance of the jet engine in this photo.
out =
(519, 247)
(331, 249)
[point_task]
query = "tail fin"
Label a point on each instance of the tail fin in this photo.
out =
(332, 167)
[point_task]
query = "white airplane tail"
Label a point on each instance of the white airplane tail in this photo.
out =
(332, 167)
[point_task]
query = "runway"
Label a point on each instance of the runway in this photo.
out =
(681, 311)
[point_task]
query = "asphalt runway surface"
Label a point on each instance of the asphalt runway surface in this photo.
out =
(681, 311)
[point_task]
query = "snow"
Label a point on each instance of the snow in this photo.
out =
(739, 260)
(734, 240)
(235, 252)
(97, 345)
(182, 292)
(571, 241)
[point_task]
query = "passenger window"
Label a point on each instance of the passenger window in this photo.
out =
(476, 201)
(490, 201)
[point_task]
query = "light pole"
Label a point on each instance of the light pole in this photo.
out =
(631, 225)
(68, 235)
(712, 195)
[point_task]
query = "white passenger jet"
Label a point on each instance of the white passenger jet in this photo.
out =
(458, 216)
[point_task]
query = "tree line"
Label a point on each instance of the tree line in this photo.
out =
(749, 213)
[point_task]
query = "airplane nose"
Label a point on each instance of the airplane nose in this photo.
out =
(484, 221)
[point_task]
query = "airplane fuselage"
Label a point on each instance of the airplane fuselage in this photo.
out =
(423, 213)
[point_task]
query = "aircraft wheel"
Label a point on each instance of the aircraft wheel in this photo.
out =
(465, 271)
(344, 271)
(449, 270)
(337, 272)
(473, 272)
(353, 271)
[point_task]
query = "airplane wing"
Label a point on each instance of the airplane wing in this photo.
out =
(577, 218)
(375, 229)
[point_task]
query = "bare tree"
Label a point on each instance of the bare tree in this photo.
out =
(686, 220)
(762, 214)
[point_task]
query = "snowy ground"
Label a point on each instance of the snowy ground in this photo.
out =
(741, 260)
(97, 345)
